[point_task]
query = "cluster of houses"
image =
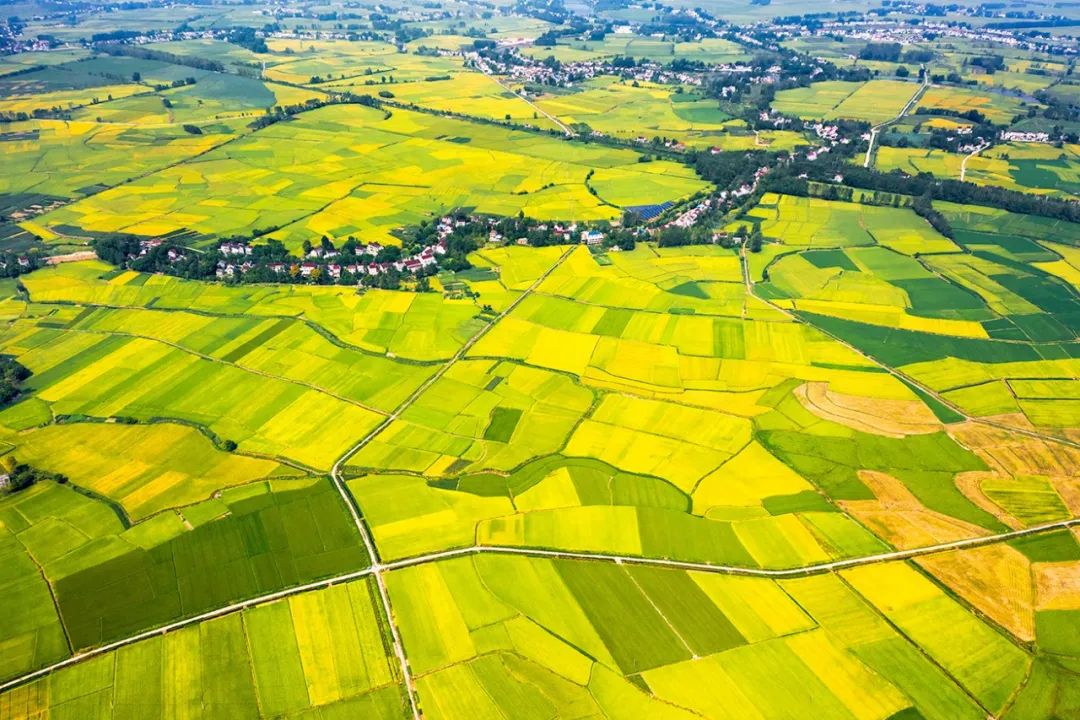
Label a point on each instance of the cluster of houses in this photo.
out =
(22, 261)
(690, 217)
(413, 264)
(831, 133)
(887, 31)
(773, 118)
(35, 209)
(238, 258)
(564, 233)
(530, 70)
(1031, 137)
(145, 246)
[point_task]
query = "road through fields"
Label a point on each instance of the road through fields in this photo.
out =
(378, 569)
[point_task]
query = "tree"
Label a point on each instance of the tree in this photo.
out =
(755, 241)
(11, 376)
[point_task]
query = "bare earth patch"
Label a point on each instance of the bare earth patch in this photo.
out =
(891, 418)
(995, 579)
(1015, 454)
(898, 517)
(1057, 585)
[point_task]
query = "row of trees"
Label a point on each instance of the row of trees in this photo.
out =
(145, 53)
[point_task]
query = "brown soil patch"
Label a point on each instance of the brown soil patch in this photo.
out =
(898, 517)
(1068, 487)
(1058, 585)
(995, 579)
(1016, 454)
(891, 418)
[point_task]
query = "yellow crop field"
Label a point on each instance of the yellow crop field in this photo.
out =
(261, 181)
(167, 465)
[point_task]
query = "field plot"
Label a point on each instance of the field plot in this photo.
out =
(69, 159)
(616, 108)
(351, 170)
(997, 108)
(415, 326)
(1040, 169)
(814, 222)
(938, 162)
(982, 660)
(104, 376)
(31, 633)
(455, 90)
(553, 632)
(677, 280)
(320, 652)
(784, 421)
(215, 98)
(111, 580)
(299, 61)
(276, 347)
(15, 102)
(874, 101)
(166, 465)
(1032, 168)
(877, 286)
(486, 412)
(981, 219)
(828, 472)
(430, 81)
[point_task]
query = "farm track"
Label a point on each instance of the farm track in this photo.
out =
(377, 570)
(350, 502)
(973, 153)
(566, 130)
(874, 131)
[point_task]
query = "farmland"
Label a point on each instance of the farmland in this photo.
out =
(484, 361)
(1035, 169)
(263, 182)
(875, 101)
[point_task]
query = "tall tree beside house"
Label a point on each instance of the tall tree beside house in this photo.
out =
(19, 476)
